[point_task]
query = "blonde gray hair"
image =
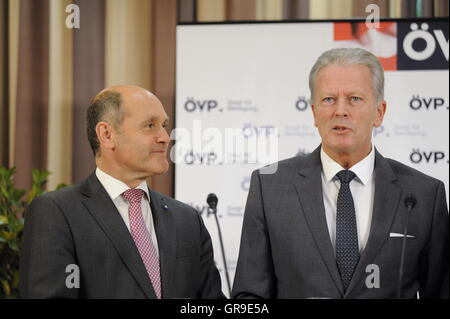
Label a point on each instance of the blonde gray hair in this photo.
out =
(347, 57)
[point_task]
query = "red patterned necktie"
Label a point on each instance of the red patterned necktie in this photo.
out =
(142, 237)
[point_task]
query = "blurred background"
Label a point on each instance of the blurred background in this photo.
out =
(49, 73)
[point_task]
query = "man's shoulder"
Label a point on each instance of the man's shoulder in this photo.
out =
(62, 196)
(51, 204)
(296, 162)
(410, 175)
(286, 166)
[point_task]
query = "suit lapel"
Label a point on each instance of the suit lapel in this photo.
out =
(167, 240)
(309, 191)
(386, 199)
(102, 209)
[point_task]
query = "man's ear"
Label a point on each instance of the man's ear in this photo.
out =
(105, 135)
(381, 110)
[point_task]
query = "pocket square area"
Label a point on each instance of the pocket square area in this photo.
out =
(400, 235)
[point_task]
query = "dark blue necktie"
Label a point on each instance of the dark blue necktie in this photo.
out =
(347, 252)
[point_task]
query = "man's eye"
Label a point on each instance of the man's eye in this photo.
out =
(356, 99)
(328, 100)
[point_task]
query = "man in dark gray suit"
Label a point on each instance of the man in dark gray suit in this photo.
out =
(332, 224)
(112, 236)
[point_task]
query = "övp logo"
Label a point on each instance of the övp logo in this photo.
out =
(302, 103)
(418, 156)
(423, 45)
(193, 105)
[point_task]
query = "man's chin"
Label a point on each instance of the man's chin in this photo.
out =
(160, 169)
(341, 147)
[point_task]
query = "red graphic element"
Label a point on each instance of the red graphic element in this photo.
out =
(382, 41)
(343, 31)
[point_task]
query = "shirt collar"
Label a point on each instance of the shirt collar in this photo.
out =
(363, 169)
(115, 187)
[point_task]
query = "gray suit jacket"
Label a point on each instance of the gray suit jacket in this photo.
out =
(80, 225)
(286, 251)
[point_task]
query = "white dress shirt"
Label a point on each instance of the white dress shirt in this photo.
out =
(115, 188)
(362, 188)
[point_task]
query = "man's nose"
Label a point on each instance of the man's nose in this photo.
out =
(341, 107)
(163, 136)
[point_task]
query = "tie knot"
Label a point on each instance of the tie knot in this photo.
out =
(133, 195)
(346, 176)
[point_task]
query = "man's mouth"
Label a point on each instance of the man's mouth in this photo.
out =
(340, 128)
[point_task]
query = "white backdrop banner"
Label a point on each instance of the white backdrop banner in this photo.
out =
(242, 101)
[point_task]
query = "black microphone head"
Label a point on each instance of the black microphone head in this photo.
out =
(212, 200)
(410, 201)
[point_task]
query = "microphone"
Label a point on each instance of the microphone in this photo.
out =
(410, 202)
(212, 203)
(212, 200)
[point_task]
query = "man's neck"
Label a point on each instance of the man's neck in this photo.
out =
(348, 160)
(117, 173)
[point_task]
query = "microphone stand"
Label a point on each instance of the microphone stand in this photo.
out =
(212, 202)
(410, 202)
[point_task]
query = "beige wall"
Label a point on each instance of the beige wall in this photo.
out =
(211, 10)
(14, 6)
(59, 151)
(128, 43)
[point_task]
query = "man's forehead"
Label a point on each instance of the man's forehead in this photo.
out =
(133, 98)
(145, 109)
(335, 70)
(356, 76)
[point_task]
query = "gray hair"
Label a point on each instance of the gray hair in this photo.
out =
(347, 57)
(106, 106)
